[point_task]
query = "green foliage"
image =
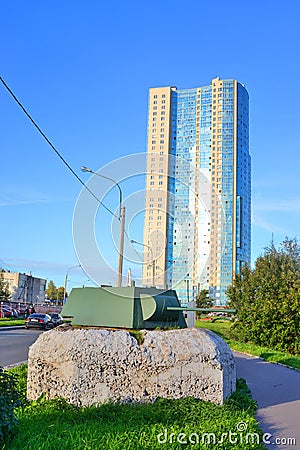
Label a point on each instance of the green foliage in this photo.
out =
(4, 290)
(228, 332)
(9, 399)
(60, 293)
(242, 397)
(267, 299)
(20, 377)
(203, 300)
(51, 291)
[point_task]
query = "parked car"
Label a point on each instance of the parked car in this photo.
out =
(56, 318)
(9, 312)
(37, 320)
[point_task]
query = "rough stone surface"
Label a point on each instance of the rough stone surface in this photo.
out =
(89, 366)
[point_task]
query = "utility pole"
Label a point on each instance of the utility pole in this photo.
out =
(188, 290)
(121, 248)
(153, 272)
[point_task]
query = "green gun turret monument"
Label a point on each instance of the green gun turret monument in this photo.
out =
(124, 307)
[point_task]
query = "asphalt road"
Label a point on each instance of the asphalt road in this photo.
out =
(277, 392)
(14, 345)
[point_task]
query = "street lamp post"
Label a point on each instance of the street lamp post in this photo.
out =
(152, 258)
(121, 246)
(66, 280)
(122, 222)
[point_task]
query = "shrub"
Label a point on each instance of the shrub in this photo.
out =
(267, 299)
(9, 400)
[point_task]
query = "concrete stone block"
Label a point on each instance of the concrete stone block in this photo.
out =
(89, 366)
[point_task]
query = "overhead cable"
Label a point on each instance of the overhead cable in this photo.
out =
(54, 149)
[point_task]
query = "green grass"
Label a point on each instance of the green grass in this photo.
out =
(137, 334)
(224, 329)
(52, 424)
(7, 322)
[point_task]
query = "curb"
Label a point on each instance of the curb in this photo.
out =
(16, 327)
(270, 362)
(11, 366)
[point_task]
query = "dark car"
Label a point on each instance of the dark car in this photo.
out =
(9, 312)
(37, 320)
(56, 318)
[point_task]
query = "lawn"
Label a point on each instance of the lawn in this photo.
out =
(224, 329)
(164, 424)
(7, 322)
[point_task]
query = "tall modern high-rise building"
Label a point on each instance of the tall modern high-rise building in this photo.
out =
(197, 230)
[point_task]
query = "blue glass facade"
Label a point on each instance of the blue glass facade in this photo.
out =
(228, 162)
(209, 144)
(183, 143)
(243, 185)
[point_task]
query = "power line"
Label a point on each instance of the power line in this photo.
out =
(53, 147)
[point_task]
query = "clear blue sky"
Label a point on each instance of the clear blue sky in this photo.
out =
(83, 70)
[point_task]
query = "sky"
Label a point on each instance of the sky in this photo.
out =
(83, 70)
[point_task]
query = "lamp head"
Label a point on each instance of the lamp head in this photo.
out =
(85, 169)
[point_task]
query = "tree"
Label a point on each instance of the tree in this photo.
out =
(4, 290)
(267, 298)
(203, 301)
(51, 291)
(60, 293)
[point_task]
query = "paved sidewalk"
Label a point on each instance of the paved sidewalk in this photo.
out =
(277, 391)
